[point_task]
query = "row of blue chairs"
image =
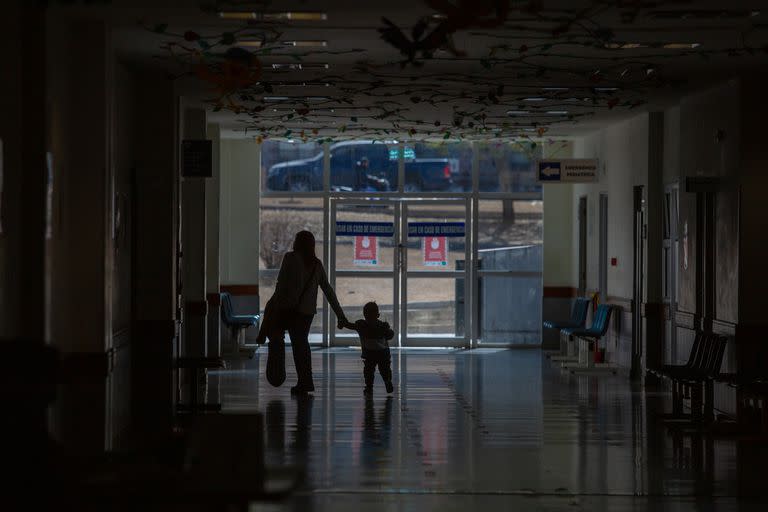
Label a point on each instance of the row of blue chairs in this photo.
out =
(237, 324)
(575, 327)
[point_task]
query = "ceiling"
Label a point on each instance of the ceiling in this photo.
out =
(479, 69)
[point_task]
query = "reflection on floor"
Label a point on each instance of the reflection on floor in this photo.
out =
(495, 429)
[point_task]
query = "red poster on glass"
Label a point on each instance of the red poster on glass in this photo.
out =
(366, 251)
(435, 250)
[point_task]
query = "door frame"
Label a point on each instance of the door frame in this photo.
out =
(405, 274)
(582, 218)
(400, 273)
(393, 274)
(638, 281)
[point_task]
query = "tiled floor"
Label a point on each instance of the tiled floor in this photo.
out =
(485, 429)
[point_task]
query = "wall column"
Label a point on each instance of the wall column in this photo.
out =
(23, 307)
(23, 174)
(240, 179)
(559, 286)
(154, 277)
(652, 307)
(212, 197)
(80, 159)
(193, 232)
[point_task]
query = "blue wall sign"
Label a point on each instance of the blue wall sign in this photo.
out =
(419, 229)
(383, 229)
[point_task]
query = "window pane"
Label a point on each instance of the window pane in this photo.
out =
(510, 310)
(281, 218)
(363, 166)
(505, 167)
(365, 252)
(431, 307)
(291, 166)
(438, 167)
(420, 253)
(355, 292)
(505, 225)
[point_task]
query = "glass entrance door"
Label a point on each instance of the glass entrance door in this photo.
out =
(409, 256)
(434, 273)
(363, 261)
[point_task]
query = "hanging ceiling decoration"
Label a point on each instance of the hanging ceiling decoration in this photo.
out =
(535, 67)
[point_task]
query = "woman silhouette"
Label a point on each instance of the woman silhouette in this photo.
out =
(292, 308)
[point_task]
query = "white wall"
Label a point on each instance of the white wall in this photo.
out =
(558, 225)
(240, 163)
(672, 145)
(622, 150)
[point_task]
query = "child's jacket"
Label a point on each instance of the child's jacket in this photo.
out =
(374, 335)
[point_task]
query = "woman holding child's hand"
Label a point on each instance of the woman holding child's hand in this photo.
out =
(292, 308)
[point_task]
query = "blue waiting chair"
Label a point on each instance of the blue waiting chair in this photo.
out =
(237, 323)
(594, 332)
(578, 316)
(577, 320)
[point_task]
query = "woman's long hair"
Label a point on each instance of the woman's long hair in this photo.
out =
(304, 245)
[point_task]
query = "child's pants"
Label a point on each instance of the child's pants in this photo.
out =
(380, 358)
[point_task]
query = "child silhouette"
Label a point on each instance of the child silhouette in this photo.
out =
(374, 335)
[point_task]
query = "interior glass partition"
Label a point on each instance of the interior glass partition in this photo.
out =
(508, 248)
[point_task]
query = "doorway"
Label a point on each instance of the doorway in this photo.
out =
(603, 249)
(409, 256)
(582, 246)
(638, 280)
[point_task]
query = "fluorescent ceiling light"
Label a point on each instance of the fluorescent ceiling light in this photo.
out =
(625, 46)
(681, 46)
(304, 44)
(273, 16)
(606, 89)
(250, 43)
(555, 89)
(297, 15)
(301, 84)
(230, 15)
(517, 112)
(299, 65)
(557, 112)
(535, 99)
(277, 99)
